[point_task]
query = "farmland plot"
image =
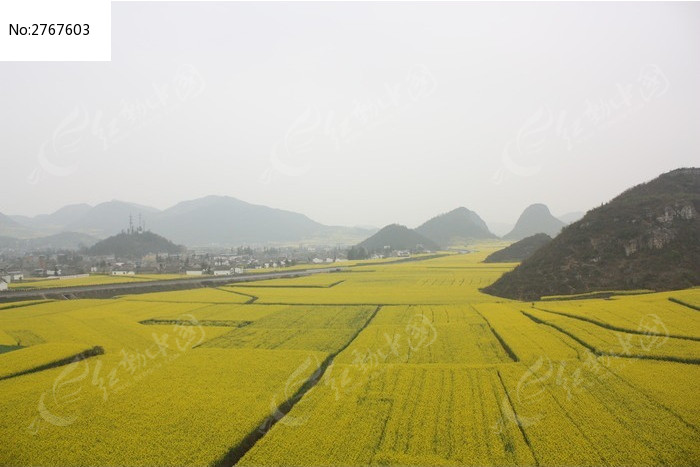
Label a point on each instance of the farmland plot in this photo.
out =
(581, 413)
(423, 334)
(605, 341)
(400, 364)
(526, 339)
(635, 314)
(187, 411)
(405, 415)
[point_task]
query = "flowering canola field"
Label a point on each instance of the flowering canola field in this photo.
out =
(389, 363)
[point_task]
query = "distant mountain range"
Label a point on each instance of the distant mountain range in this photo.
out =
(11, 228)
(222, 221)
(209, 221)
(59, 241)
(535, 219)
(457, 226)
(503, 228)
(648, 237)
(110, 218)
(56, 221)
(571, 217)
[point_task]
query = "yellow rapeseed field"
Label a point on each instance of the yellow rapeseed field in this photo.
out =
(391, 363)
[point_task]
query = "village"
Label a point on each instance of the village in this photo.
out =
(18, 267)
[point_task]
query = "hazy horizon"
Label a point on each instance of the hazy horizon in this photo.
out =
(359, 114)
(497, 223)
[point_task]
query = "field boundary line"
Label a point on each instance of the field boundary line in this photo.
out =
(224, 323)
(651, 398)
(20, 305)
(617, 328)
(600, 353)
(252, 298)
(517, 418)
(682, 303)
(503, 343)
(92, 352)
(236, 453)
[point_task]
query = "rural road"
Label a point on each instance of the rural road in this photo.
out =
(110, 290)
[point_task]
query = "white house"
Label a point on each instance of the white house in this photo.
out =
(16, 276)
(194, 273)
(225, 272)
(3, 284)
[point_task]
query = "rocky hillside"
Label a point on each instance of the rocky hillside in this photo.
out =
(519, 251)
(648, 237)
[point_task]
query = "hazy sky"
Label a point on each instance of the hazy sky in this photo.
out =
(358, 114)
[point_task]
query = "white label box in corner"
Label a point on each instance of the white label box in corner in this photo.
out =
(55, 30)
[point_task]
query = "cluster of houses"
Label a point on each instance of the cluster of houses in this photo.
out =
(70, 264)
